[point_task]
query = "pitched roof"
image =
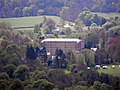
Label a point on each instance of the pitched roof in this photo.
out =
(61, 40)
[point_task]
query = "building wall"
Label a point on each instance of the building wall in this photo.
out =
(51, 46)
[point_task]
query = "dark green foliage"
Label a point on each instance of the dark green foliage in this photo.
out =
(17, 12)
(13, 50)
(60, 59)
(108, 25)
(3, 85)
(43, 84)
(101, 86)
(98, 20)
(59, 78)
(16, 85)
(4, 76)
(115, 30)
(101, 57)
(113, 47)
(21, 72)
(37, 28)
(15, 61)
(87, 18)
(91, 40)
(9, 69)
(78, 87)
(53, 7)
(39, 75)
(14, 65)
(48, 26)
(31, 53)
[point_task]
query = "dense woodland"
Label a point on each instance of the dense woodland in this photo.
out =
(67, 9)
(24, 63)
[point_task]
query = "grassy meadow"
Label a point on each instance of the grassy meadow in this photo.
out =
(27, 23)
(110, 70)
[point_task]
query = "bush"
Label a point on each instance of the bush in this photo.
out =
(39, 75)
(4, 76)
(3, 85)
(43, 84)
(16, 85)
(9, 69)
(21, 72)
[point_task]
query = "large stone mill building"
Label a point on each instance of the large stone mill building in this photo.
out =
(66, 44)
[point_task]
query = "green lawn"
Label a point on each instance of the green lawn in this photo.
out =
(30, 29)
(28, 21)
(66, 71)
(110, 70)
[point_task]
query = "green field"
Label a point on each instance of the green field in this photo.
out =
(28, 22)
(110, 70)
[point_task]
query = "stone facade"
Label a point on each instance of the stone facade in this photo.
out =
(65, 44)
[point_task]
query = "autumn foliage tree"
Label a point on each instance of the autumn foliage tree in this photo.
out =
(113, 46)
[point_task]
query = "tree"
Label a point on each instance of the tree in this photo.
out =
(97, 85)
(48, 25)
(15, 61)
(9, 69)
(102, 39)
(85, 17)
(113, 47)
(31, 53)
(102, 86)
(78, 87)
(106, 87)
(65, 13)
(91, 40)
(13, 49)
(16, 85)
(17, 12)
(107, 25)
(67, 31)
(89, 57)
(78, 25)
(26, 11)
(39, 75)
(101, 57)
(115, 30)
(40, 12)
(4, 76)
(21, 72)
(5, 43)
(59, 78)
(98, 20)
(71, 57)
(43, 84)
(33, 10)
(36, 28)
(3, 85)
(60, 59)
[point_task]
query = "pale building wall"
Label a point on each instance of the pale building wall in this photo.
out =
(66, 46)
